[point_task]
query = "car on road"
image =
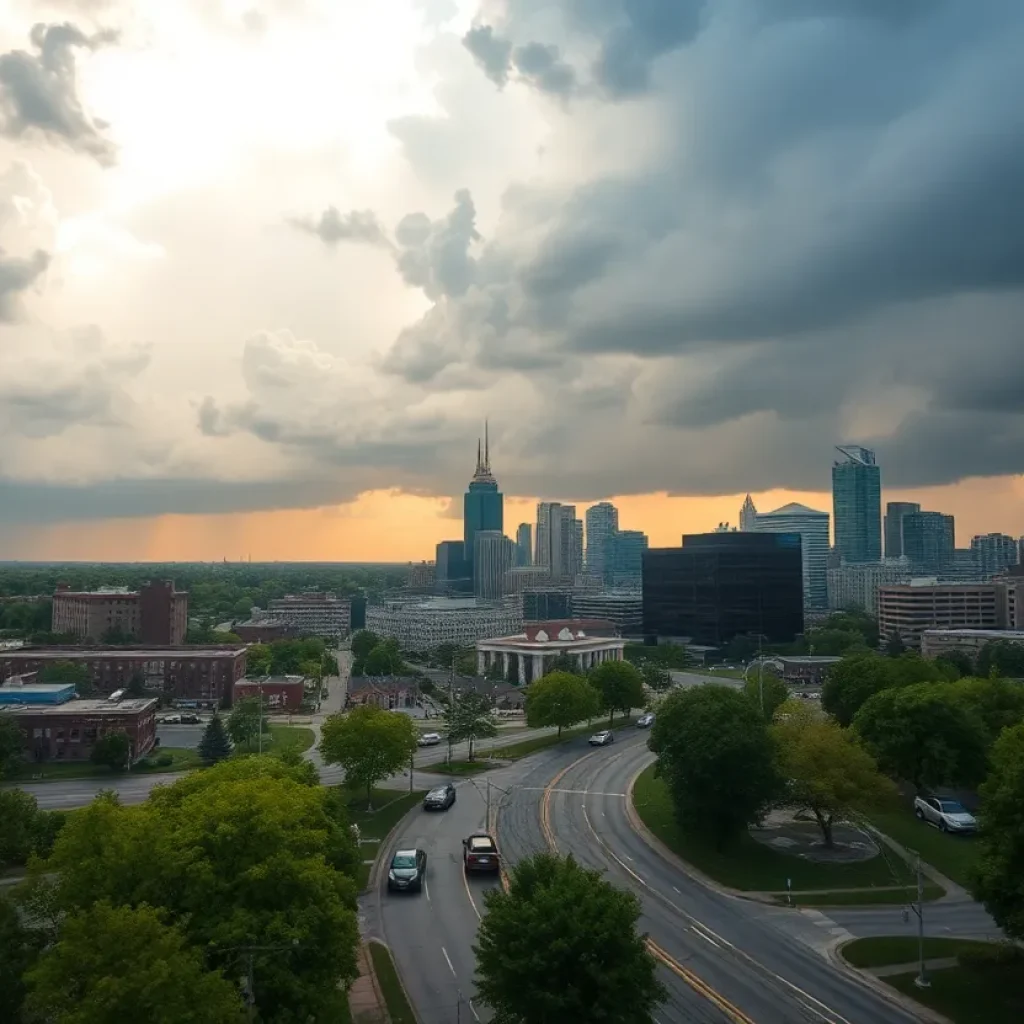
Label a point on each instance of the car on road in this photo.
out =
(429, 739)
(602, 739)
(407, 871)
(190, 718)
(947, 815)
(646, 720)
(440, 799)
(480, 853)
(169, 720)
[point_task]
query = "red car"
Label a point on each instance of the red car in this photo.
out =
(480, 853)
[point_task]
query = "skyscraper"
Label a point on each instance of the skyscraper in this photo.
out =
(748, 516)
(994, 553)
(493, 556)
(813, 529)
(524, 544)
(857, 505)
(929, 539)
(483, 504)
(576, 553)
(894, 513)
(559, 540)
(624, 566)
(602, 525)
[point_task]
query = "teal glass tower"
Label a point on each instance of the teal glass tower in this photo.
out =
(857, 505)
(483, 504)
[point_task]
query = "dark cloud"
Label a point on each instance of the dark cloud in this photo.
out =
(333, 227)
(542, 66)
(38, 91)
(16, 276)
(491, 52)
(435, 255)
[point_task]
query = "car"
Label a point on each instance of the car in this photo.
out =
(407, 871)
(602, 739)
(429, 739)
(646, 720)
(170, 720)
(190, 719)
(480, 853)
(440, 799)
(948, 815)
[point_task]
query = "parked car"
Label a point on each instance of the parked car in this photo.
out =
(646, 720)
(190, 718)
(407, 871)
(440, 799)
(602, 739)
(948, 815)
(429, 739)
(480, 853)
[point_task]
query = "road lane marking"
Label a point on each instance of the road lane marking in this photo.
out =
(734, 1013)
(472, 1010)
(472, 902)
(702, 932)
(426, 889)
(449, 959)
(545, 803)
(583, 792)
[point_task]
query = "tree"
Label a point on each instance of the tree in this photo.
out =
(561, 699)
(257, 660)
(247, 719)
(997, 703)
(620, 686)
(767, 691)
(362, 643)
(19, 947)
(113, 750)
(116, 635)
(562, 945)
(69, 672)
(564, 663)
(246, 853)
(123, 963)
(666, 655)
(136, 685)
(494, 673)
(717, 759)
(827, 771)
(11, 747)
(1003, 657)
(18, 812)
(741, 648)
(958, 661)
(370, 744)
(469, 716)
(384, 660)
(655, 676)
(895, 646)
(216, 744)
(920, 734)
(999, 881)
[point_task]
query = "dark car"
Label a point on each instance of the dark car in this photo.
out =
(407, 870)
(190, 718)
(480, 853)
(440, 799)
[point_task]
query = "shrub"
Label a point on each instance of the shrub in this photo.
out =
(164, 760)
(997, 954)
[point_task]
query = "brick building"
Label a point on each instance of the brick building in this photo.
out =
(280, 693)
(205, 674)
(154, 614)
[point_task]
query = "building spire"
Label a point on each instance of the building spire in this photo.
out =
(487, 449)
(479, 460)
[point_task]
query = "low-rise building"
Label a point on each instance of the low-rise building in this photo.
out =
(200, 674)
(156, 613)
(263, 631)
(279, 693)
(313, 614)
(908, 610)
(529, 655)
(388, 692)
(805, 669)
(425, 625)
(968, 641)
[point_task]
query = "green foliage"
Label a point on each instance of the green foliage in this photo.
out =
(11, 747)
(362, 643)
(999, 882)
(136, 685)
(764, 685)
(563, 663)
(385, 659)
(998, 703)
(494, 672)
(370, 744)
(895, 646)
(258, 660)
(19, 947)
(242, 854)
(23, 618)
(116, 635)
(469, 716)
(561, 699)
(956, 661)
(918, 733)
(667, 656)
(112, 750)
(841, 633)
(247, 719)
(18, 811)
(655, 676)
(717, 758)
(826, 771)
(216, 744)
(562, 945)
(122, 963)
(69, 672)
(206, 634)
(620, 686)
(1002, 657)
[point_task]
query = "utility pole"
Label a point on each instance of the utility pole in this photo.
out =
(921, 981)
(412, 764)
(451, 708)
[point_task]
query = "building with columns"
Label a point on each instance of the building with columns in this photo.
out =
(530, 654)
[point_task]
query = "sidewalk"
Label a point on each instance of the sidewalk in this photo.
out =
(937, 963)
(364, 997)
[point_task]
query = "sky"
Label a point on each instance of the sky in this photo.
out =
(267, 265)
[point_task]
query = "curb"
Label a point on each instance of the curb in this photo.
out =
(372, 974)
(373, 882)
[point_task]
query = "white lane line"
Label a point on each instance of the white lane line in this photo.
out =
(449, 959)
(472, 1010)
(678, 890)
(584, 792)
(426, 889)
(698, 929)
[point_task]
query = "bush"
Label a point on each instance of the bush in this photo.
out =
(147, 763)
(991, 956)
(164, 760)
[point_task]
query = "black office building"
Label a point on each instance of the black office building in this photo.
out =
(721, 585)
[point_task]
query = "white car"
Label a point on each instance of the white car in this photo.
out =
(429, 739)
(602, 739)
(948, 815)
(646, 720)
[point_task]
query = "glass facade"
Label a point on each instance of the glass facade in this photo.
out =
(894, 513)
(721, 585)
(929, 540)
(857, 505)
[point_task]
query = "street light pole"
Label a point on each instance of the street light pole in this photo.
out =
(921, 981)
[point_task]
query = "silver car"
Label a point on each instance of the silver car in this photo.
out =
(948, 815)
(602, 739)
(646, 720)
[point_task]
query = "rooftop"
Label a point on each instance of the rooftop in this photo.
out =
(130, 705)
(11, 691)
(1014, 635)
(794, 508)
(114, 651)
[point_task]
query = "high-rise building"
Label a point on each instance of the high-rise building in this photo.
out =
(857, 505)
(894, 513)
(856, 586)
(452, 572)
(813, 529)
(559, 540)
(602, 525)
(721, 585)
(994, 553)
(483, 504)
(929, 540)
(624, 564)
(493, 556)
(576, 552)
(748, 516)
(524, 545)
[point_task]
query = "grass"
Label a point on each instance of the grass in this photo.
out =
(458, 767)
(901, 949)
(281, 737)
(954, 856)
(969, 995)
(390, 807)
(395, 999)
(865, 897)
(751, 866)
(183, 759)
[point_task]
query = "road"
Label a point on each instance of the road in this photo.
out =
(725, 958)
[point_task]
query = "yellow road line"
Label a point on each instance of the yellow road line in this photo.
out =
(734, 1013)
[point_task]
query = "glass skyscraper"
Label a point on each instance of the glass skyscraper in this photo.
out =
(857, 505)
(483, 504)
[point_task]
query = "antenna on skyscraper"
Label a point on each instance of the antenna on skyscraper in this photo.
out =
(487, 449)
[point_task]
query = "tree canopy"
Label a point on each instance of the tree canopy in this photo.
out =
(620, 686)
(20, 944)
(247, 719)
(362, 643)
(113, 751)
(215, 744)
(767, 691)
(69, 672)
(469, 717)
(561, 699)
(717, 759)
(369, 743)
(999, 880)
(1002, 657)
(562, 945)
